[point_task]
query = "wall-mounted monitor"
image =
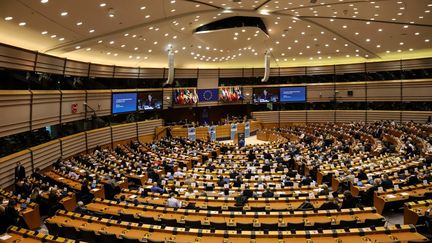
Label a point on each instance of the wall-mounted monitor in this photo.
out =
(185, 96)
(124, 102)
(231, 94)
(265, 95)
(293, 94)
(150, 100)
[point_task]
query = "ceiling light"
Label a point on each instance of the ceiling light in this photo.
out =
(77, 47)
(64, 14)
(53, 36)
(102, 5)
(8, 18)
(143, 7)
(91, 31)
(79, 23)
(22, 24)
(44, 32)
(61, 39)
(88, 49)
(44, 1)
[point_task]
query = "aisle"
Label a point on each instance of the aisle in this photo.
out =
(252, 140)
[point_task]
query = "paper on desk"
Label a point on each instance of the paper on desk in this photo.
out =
(391, 196)
(5, 237)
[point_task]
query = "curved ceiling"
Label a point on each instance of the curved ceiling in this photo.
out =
(139, 32)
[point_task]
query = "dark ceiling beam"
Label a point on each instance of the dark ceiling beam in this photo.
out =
(262, 4)
(203, 3)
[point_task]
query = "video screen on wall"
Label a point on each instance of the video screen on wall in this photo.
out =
(231, 94)
(124, 102)
(293, 94)
(265, 95)
(150, 100)
(185, 96)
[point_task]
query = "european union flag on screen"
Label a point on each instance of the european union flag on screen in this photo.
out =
(206, 95)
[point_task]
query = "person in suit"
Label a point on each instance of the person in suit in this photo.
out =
(362, 175)
(306, 181)
(80, 208)
(268, 193)
(306, 205)
(330, 204)
(19, 172)
(349, 200)
(386, 182)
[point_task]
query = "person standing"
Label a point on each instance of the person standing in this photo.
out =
(19, 172)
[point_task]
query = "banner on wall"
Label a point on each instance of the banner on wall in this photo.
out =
(207, 95)
(247, 130)
(212, 133)
(192, 133)
(233, 130)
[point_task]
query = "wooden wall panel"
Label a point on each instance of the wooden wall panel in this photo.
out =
(266, 116)
(15, 107)
(99, 100)
(16, 58)
(232, 72)
(124, 131)
(50, 64)
(126, 72)
(384, 91)
(100, 137)
(72, 145)
(358, 89)
(152, 73)
(70, 98)
(417, 90)
(180, 73)
(148, 127)
(45, 109)
(320, 92)
(8, 164)
(416, 116)
(292, 116)
(383, 115)
(75, 68)
(350, 116)
(208, 73)
(103, 71)
(46, 154)
(321, 116)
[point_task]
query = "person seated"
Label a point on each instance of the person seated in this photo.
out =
(268, 193)
(325, 190)
(287, 182)
(330, 204)
(80, 208)
(349, 200)
(173, 202)
(306, 181)
(156, 188)
(362, 175)
(306, 205)
(190, 192)
(386, 182)
(247, 192)
(413, 180)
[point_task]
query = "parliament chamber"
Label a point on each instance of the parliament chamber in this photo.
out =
(229, 121)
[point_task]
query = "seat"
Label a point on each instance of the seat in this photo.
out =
(68, 232)
(87, 235)
(258, 209)
(53, 228)
(155, 241)
(146, 220)
(214, 208)
(269, 226)
(374, 222)
(194, 224)
(108, 238)
(170, 222)
(128, 217)
(218, 225)
(296, 226)
(245, 226)
(347, 224)
(322, 225)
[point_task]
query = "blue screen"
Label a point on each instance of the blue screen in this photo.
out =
(293, 94)
(124, 102)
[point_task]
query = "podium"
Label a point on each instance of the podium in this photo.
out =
(239, 139)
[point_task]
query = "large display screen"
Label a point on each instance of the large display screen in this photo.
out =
(150, 100)
(231, 94)
(124, 102)
(265, 95)
(293, 94)
(185, 96)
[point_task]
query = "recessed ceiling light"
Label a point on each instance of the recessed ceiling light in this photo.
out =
(91, 31)
(79, 23)
(53, 36)
(100, 41)
(64, 14)
(61, 39)
(22, 24)
(102, 5)
(143, 7)
(8, 18)
(77, 47)
(44, 1)
(44, 32)
(88, 49)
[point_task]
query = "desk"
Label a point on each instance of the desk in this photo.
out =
(28, 236)
(401, 195)
(414, 211)
(156, 232)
